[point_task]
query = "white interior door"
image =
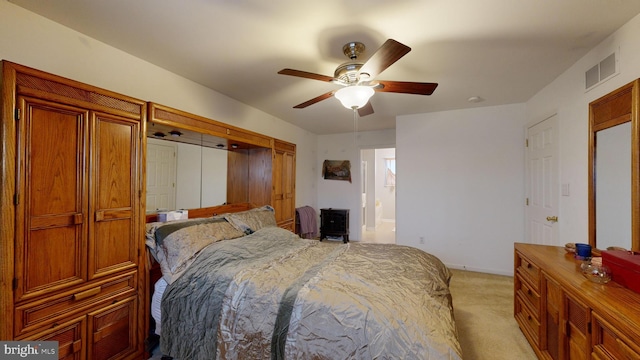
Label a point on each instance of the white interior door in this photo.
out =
(161, 175)
(541, 223)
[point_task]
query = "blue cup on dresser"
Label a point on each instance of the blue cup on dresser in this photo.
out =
(583, 251)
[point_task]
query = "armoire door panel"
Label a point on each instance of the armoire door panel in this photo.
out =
(288, 187)
(278, 185)
(283, 175)
(115, 156)
(52, 186)
(111, 253)
(115, 194)
(52, 261)
(55, 147)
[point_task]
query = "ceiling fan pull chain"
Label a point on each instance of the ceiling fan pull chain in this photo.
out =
(355, 126)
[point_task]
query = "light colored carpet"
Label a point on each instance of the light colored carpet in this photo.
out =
(483, 309)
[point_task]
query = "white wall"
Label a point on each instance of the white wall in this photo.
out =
(477, 237)
(342, 194)
(566, 96)
(31, 40)
(461, 185)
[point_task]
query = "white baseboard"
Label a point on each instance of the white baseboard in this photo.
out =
(482, 270)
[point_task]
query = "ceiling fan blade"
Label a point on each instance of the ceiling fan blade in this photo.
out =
(314, 100)
(390, 52)
(306, 75)
(406, 87)
(366, 110)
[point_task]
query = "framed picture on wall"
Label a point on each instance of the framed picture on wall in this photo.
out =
(336, 170)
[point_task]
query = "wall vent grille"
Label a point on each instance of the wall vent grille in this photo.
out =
(602, 71)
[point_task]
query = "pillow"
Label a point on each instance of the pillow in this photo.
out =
(250, 221)
(176, 244)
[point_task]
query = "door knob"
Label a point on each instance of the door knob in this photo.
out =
(552, 218)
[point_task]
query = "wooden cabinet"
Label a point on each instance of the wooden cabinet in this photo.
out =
(261, 170)
(284, 190)
(551, 324)
(611, 343)
(576, 319)
(72, 188)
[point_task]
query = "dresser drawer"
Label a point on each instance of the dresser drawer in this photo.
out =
(528, 322)
(112, 331)
(51, 311)
(71, 338)
(528, 295)
(610, 344)
(528, 270)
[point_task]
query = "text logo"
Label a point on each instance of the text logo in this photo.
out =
(41, 350)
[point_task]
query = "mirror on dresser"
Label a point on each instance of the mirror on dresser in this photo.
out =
(184, 176)
(215, 163)
(614, 199)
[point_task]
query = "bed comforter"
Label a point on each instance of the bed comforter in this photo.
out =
(273, 295)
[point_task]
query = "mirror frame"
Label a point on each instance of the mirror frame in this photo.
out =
(617, 107)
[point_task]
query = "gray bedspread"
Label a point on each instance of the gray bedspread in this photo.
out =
(273, 295)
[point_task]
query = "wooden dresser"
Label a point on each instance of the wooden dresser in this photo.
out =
(72, 242)
(564, 315)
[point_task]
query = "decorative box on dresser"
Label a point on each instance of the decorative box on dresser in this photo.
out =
(71, 247)
(564, 315)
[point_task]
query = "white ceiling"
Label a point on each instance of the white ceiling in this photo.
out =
(503, 51)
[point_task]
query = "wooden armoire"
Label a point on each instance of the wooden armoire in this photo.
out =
(284, 184)
(71, 245)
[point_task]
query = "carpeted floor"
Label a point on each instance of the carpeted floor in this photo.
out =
(483, 309)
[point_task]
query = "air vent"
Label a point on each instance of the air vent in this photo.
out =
(602, 71)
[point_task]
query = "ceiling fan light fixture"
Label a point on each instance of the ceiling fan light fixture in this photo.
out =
(354, 97)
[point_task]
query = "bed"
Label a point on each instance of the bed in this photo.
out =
(236, 286)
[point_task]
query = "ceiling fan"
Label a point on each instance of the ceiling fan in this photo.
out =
(357, 78)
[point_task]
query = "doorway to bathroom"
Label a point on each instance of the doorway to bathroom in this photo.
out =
(378, 191)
